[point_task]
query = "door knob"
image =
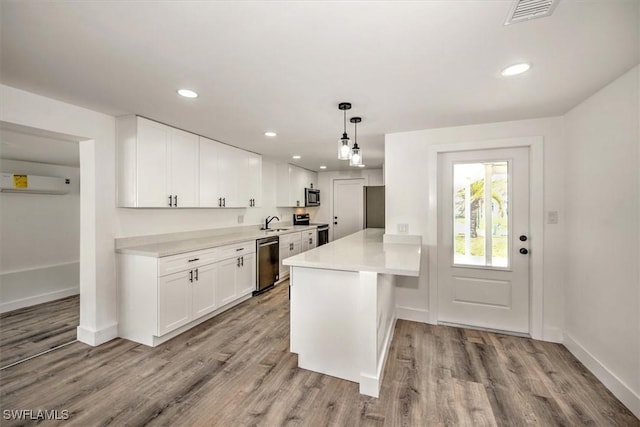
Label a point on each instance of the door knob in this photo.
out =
(523, 238)
(335, 223)
(524, 251)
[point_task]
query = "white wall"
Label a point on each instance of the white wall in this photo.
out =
(40, 243)
(324, 213)
(602, 291)
(407, 183)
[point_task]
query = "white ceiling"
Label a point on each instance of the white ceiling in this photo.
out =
(33, 145)
(285, 66)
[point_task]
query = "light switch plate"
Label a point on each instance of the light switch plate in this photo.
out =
(403, 228)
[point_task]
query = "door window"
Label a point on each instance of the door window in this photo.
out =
(481, 214)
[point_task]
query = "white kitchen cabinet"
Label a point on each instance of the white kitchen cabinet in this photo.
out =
(251, 182)
(246, 277)
(229, 177)
(157, 164)
(290, 245)
(290, 184)
(159, 298)
(204, 286)
(309, 239)
(237, 277)
(174, 300)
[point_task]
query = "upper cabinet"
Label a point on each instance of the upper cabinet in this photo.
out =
(290, 184)
(229, 177)
(158, 165)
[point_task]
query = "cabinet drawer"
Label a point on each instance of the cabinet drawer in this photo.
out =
(175, 263)
(237, 249)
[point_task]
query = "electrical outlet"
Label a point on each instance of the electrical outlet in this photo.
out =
(552, 217)
(240, 219)
(403, 228)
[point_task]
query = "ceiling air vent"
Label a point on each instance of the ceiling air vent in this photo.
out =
(524, 10)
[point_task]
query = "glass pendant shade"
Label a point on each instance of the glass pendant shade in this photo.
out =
(344, 150)
(356, 156)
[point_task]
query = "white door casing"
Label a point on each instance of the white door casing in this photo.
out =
(536, 240)
(347, 206)
(483, 279)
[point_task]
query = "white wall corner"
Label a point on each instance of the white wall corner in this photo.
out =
(622, 391)
(97, 337)
(553, 334)
(412, 314)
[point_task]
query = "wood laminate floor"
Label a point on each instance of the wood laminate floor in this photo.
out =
(236, 370)
(31, 330)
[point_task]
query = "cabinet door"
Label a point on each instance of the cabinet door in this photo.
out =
(296, 239)
(153, 167)
(174, 301)
(244, 183)
(229, 164)
(246, 278)
(226, 286)
(282, 185)
(284, 253)
(313, 239)
(203, 290)
(297, 181)
(183, 156)
(208, 173)
(255, 178)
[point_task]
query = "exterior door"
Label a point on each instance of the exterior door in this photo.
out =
(483, 239)
(347, 206)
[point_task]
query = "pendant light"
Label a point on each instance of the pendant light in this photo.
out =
(356, 154)
(344, 151)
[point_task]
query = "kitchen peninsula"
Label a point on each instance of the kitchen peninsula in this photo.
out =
(343, 304)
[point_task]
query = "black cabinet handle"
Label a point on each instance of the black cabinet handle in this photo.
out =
(191, 276)
(238, 260)
(239, 249)
(170, 201)
(175, 201)
(194, 259)
(224, 202)
(196, 274)
(242, 261)
(219, 202)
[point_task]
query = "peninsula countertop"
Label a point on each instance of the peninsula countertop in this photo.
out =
(175, 247)
(362, 251)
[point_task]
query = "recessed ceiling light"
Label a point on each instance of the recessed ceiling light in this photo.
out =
(515, 69)
(187, 93)
(269, 133)
(323, 167)
(297, 157)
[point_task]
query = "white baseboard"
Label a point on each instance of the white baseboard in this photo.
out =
(628, 397)
(96, 337)
(38, 299)
(412, 314)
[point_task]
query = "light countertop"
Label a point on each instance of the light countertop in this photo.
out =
(163, 249)
(362, 251)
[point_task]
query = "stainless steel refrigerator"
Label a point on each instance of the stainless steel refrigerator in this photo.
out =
(374, 206)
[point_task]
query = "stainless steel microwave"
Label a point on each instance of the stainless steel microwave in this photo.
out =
(311, 197)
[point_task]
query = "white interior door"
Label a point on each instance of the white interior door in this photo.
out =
(347, 206)
(483, 239)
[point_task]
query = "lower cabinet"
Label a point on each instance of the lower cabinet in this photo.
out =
(290, 245)
(236, 278)
(161, 297)
(309, 239)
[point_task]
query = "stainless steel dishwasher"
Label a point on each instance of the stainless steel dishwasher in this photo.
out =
(268, 264)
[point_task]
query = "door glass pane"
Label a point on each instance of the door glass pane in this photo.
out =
(480, 214)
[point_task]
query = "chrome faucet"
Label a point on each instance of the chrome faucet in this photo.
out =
(268, 220)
